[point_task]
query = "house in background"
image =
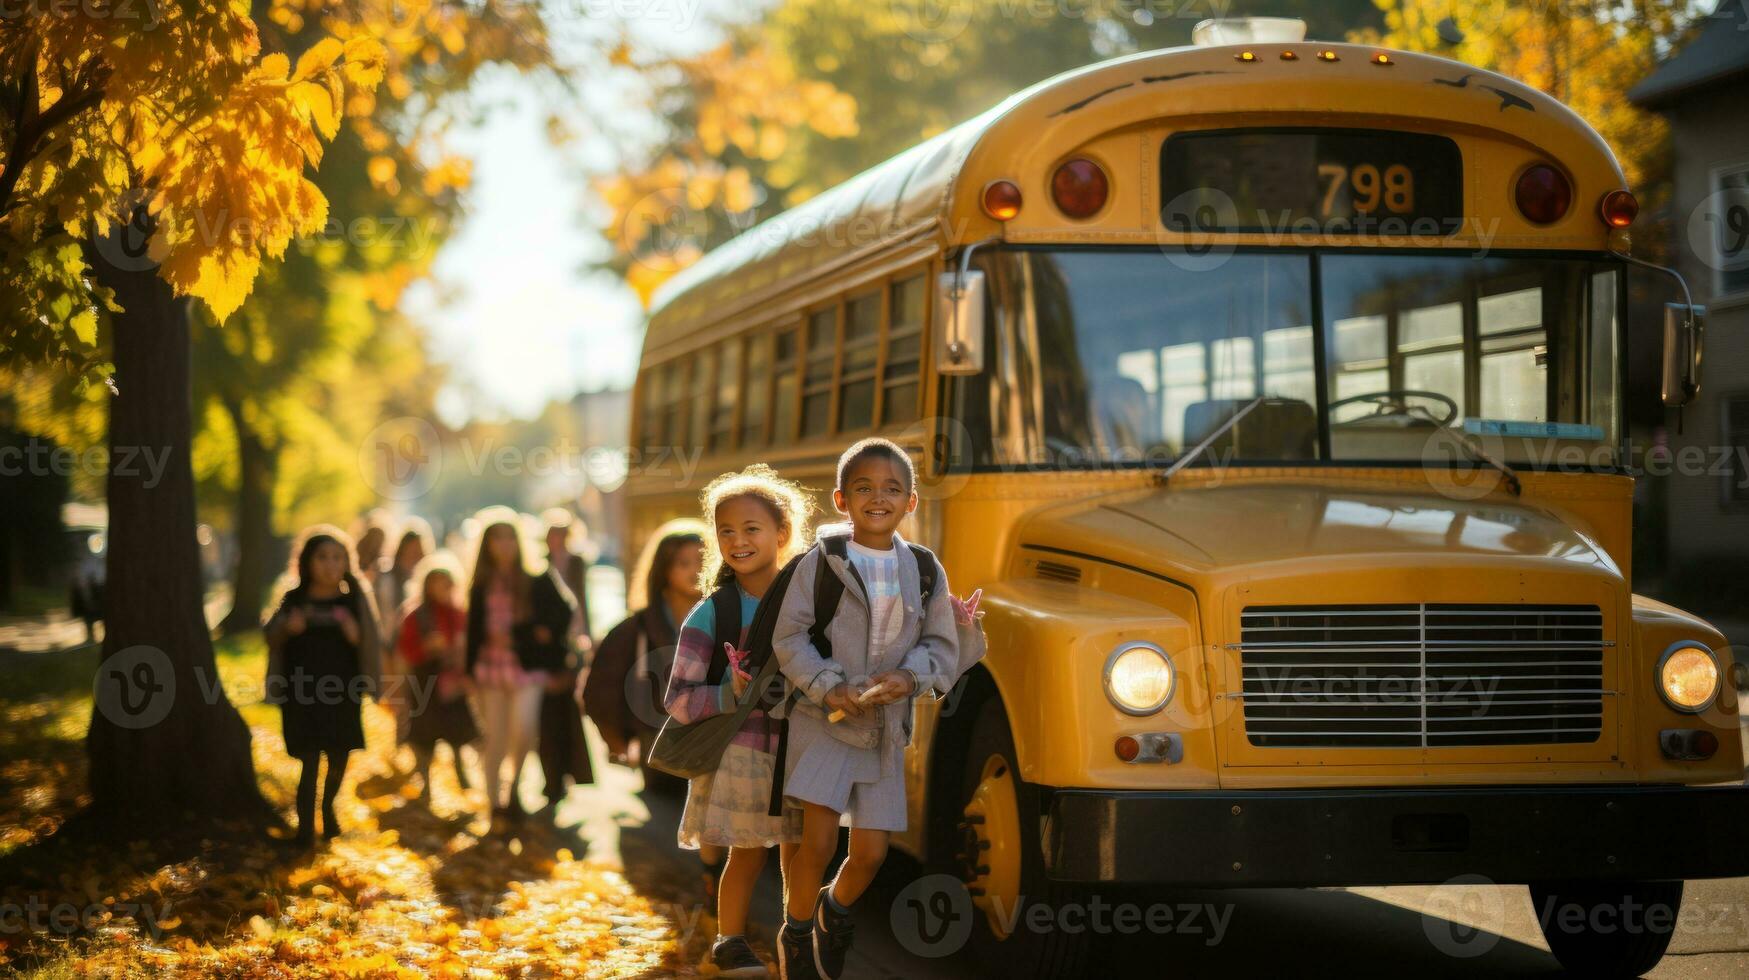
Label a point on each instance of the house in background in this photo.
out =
(1703, 90)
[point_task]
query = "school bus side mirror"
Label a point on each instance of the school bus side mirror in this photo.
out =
(1684, 332)
(959, 322)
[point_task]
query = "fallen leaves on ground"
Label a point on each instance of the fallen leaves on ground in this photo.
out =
(416, 886)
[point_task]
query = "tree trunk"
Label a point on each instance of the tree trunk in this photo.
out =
(165, 744)
(257, 546)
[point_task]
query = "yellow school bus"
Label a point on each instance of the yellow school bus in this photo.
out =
(1273, 393)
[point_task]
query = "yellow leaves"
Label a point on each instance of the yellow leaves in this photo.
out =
(381, 170)
(319, 58)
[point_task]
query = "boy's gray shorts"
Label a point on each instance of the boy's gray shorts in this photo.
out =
(842, 777)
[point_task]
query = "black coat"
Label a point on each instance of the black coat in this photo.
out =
(551, 605)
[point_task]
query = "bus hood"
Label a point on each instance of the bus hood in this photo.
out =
(1217, 530)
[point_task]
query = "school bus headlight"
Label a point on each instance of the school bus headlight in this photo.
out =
(1138, 678)
(1688, 677)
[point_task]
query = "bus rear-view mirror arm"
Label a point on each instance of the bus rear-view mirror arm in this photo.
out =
(1684, 340)
(959, 300)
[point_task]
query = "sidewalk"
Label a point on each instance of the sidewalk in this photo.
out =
(60, 631)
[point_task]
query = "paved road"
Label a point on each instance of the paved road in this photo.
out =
(1358, 932)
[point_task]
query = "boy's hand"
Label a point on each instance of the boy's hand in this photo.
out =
(965, 611)
(895, 685)
(294, 622)
(840, 701)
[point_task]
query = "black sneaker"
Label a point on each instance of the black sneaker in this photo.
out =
(795, 954)
(734, 958)
(833, 932)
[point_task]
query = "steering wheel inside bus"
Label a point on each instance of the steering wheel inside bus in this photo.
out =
(1394, 405)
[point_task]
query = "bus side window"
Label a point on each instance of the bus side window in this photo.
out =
(822, 358)
(649, 410)
(727, 394)
(703, 375)
(671, 390)
(784, 386)
(862, 335)
(904, 347)
(756, 392)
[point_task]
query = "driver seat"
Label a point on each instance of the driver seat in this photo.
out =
(1278, 428)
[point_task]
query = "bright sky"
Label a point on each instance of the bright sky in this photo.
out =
(513, 311)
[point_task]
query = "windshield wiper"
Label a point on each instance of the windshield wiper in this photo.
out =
(1197, 450)
(1478, 455)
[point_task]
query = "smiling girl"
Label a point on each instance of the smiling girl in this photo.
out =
(757, 521)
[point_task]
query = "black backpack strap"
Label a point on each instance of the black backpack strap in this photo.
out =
(726, 610)
(777, 764)
(926, 569)
(828, 589)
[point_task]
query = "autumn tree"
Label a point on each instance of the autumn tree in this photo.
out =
(319, 353)
(1584, 53)
(805, 94)
(147, 164)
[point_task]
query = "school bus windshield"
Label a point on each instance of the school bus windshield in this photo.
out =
(1107, 357)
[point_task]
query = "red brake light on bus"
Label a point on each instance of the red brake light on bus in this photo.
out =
(1079, 188)
(1001, 199)
(1543, 194)
(1619, 208)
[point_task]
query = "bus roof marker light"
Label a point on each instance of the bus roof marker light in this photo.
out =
(1080, 188)
(1618, 208)
(1382, 59)
(1543, 194)
(1289, 56)
(1245, 56)
(1328, 55)
(1001, 199)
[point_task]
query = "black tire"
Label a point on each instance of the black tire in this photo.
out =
(1024, 952)
(1607, 929)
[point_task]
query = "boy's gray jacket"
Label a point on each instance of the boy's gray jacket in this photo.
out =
(929, 644)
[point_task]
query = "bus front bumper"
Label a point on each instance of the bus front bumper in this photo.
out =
(1303, 838)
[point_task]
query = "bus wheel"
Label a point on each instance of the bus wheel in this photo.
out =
(998, 858)
(1608, 929)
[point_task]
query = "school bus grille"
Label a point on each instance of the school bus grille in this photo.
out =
(1421, 675)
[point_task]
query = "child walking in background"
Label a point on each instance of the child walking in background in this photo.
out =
(432, 645)
(757, 521)
(322, 660)
(518, 632)
(896, 633)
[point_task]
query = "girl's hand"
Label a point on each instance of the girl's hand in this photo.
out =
(348, 625)
(965, 611)
(294, 622)
(738, 677)
(840, 701)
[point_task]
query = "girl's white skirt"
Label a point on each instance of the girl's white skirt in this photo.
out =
(729, 807)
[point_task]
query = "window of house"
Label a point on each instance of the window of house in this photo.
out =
(756, 398)
(856, 387)
(821, 353)
(1730, 221)
(727, 394)
(899, 377)
(785, 370)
